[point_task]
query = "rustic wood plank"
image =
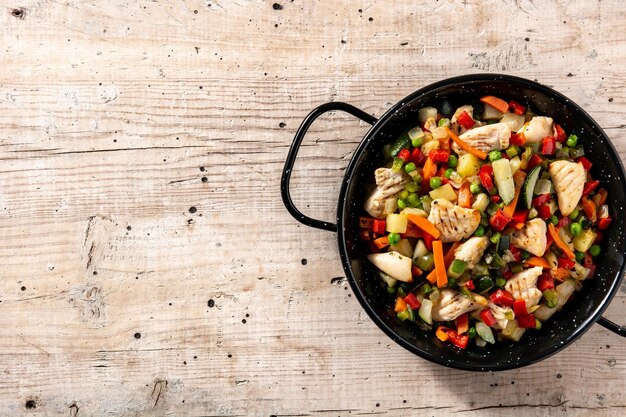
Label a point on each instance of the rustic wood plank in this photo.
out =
(141, 221)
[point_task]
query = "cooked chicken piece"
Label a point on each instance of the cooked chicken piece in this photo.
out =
(531, 237)
(500, 313)
(569, 181)
(472, 250)
(486, 138)
(538, 128)
(452, 304)
(454, 222)
(388, 183)
(524, 285)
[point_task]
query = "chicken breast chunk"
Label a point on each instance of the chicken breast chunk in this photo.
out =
(452, 304)
(472, 250)
(537, 128)
(531, 237)
(388, 184)
(523, 285)
(454, 222)
(569, 181)
(486, 138)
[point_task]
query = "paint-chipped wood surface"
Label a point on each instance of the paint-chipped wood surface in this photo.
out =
(148, 265)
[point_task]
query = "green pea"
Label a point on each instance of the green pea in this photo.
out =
(444, 122)
(579, 256)
(417, 142)
(480, 231)
(575, 229)
(452, 161)
(394, 238)
(471, 332)
(554, 220)
(495, 155)
(448, 173)
(574, 214)
(403, 194)
(572, 140)
(435, 182)
(413, 199)
(411, 187)
(595, 250)
(475, 188)
(401, 204)
(410, 167)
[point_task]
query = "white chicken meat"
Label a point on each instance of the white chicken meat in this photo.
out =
(531, 237)
(523, 285)
(501, 314)
(454, 222)
(388, 184)
(472, 250)
(569, 180)
(537, 128)
(451, 304)
(486, 138)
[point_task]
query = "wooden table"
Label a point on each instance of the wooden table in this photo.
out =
(149, 266)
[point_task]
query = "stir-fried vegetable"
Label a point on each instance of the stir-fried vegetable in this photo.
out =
(484, 223)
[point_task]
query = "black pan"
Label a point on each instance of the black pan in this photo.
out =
(565, 327)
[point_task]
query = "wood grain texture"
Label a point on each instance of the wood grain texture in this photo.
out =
(141, 146)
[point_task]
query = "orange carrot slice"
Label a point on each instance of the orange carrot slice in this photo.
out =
(559, 242)
(381, 242)
(440, 264)
(518, 179)
(497, 103)
(430, 169)
(442, 334)
(424, 224)
(465, 146)
(537, 261)
(465, 195)
(400, 305)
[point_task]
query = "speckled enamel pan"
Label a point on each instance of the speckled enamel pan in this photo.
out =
(566, 326)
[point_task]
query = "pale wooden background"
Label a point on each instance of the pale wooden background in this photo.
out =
(108, 111)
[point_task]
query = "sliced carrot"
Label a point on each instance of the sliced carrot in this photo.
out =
(465, 195)
(441, 334)
(497, 103)
(462, 324)
(381, 242)
(430, 169)
(400, 305)
(537, 261)
(559, 242)
(424, 224)
(589, 207)
(440, 264)
(561, 273)
(518, 179)
(432, 276)
(465, 146)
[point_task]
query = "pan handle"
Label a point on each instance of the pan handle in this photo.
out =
(293, 152)
(608, 324)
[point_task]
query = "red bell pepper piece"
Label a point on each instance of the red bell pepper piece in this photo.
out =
(517, 108)
(563, 221)
(520, 216)
(499, 220)
(604, 222)
(566, 263)
(404, 154)
(534, 161)
(440, 156)
(486, 181)
(366, 222)
(412, 231)
(526, 321)
(587, 260)
(545, 282)
(586, 163)
(428, 241)
(379, 226)
(519, 307)
(417, 157)
(560, 133)
(590, 186)
(507, 274)
(415, 271)
(541, 200)
(458, 340)
(502, 297)
(465, 120)
(470, 285)
(516, 252)
(488, 318)
(412, 301)
(487, 169)
(548, 145)
(496, 198)
(543, 212)
(517, 139)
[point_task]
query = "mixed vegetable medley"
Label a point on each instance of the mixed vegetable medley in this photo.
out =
(483, 221)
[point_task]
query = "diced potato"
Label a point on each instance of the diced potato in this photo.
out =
(393, 264)
(403, 247)
(515, 121)
(416, 133)
(481, 202)
(468, 165)
(543, 313)
(420, 249)
(391, 205)
(512, 331)
(445, 191)
(425, 113)
(396, 223)
(491, 113)
(412, 210)
(584, 240)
